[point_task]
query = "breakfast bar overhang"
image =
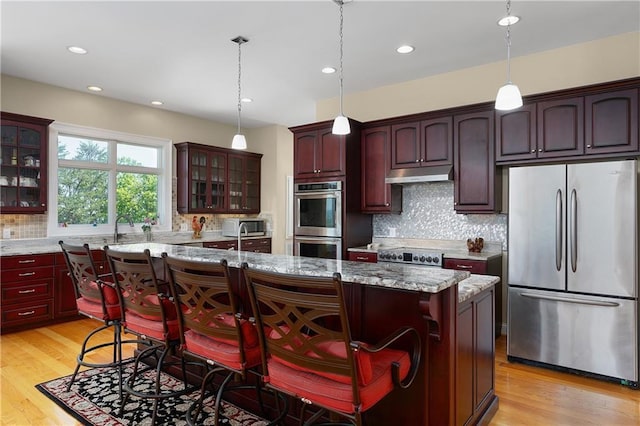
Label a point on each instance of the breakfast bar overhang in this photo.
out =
(382, 297)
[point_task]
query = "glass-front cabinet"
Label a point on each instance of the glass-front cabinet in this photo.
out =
(217, 180)
(244, 183)
(23, 164)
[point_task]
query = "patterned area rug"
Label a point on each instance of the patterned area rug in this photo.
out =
(93, 400)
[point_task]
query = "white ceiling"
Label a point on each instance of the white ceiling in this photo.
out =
(181, 53)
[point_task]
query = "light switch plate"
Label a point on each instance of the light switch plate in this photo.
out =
(6, 233)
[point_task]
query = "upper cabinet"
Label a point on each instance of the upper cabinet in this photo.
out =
(217, 180)
(592, 122)
(611, 122)
(376, 195)
(422, 143)
(319, 154)
(476, 188)
(244, 183)
(23, 164)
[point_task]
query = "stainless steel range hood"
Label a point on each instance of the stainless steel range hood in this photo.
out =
(420, 174)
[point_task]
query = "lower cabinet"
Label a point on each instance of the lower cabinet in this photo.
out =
(27, 285)
(475, 351)
(256, 245)
(363, 256)
(493, 266)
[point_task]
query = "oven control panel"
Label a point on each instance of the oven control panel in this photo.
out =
(410, 256)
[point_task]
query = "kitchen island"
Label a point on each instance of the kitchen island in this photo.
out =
(381, 298)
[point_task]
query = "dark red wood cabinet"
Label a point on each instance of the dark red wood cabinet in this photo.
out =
(560, 127)
(476, 190)
(611, 122)
(516, 134)
(422, 143)
(24, 159)
(27, 286)
(318, 154)
(256, 245)
(217, 180)
(363, 256)
(377, 196)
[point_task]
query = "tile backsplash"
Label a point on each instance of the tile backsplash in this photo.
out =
(427, 213)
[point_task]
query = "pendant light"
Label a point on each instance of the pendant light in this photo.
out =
(509, 96)
(341, 123)
(239, 141)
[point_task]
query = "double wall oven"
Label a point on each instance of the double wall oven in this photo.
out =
(318, 219)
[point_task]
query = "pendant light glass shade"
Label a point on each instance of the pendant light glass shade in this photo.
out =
(341, 126)
(341, 123)
(508, 97)
(239, 141)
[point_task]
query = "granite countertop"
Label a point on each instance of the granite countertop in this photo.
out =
(475, 284)
(50, 245)
(450, 249)
(403, 277)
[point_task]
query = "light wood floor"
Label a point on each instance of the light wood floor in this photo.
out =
(528, 395)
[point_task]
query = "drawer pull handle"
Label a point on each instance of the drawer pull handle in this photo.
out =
(361, 258)
(31, 290)
(24, 314)
(464, 266)
(26, 274)
(22, 262)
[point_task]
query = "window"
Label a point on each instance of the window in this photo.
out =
(99, 176)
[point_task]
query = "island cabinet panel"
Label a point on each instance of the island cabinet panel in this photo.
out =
(476, 188)
(475, 370)
(560, 127)
(611, 122)
(516, 134)
(377, 196)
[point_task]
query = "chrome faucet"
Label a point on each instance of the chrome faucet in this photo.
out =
(242, 225)
(115, 230)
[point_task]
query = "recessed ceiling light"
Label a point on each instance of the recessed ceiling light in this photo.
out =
(77, 50)
(157, 103)
(95, 88)
(246, 100)
(508, 20)
(328, 70)
(405, 49)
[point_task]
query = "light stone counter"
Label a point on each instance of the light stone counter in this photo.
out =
(396, 276)
(475, 284)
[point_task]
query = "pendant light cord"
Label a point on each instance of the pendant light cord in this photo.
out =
(509, 44)
(239, 80)
(341, 3)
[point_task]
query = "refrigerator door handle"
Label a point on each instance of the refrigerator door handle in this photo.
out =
(571, 300)
(559, 230)
(573, 230)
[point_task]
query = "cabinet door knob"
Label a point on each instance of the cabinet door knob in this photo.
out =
(533, 151)
(387, 205)
(417, 161)
(588, 146)
(540, 150)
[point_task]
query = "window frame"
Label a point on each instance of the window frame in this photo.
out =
(163, 171)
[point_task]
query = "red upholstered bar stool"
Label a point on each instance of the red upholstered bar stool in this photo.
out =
(308, 352)
(149, 313)
(97, 298)
(212, 328)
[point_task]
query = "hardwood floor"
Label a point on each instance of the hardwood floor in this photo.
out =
(528, 395)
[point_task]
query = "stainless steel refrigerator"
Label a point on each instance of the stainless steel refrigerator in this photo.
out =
(573, 267)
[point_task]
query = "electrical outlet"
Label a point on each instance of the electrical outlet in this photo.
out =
(183, 227)
(6, 233)
(392, 232)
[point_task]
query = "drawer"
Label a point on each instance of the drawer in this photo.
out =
(24, 313)
(222, 245)
(473, 266)
(363, 256)
(27, 261)
(262, 245)
(23, 291)
(30, 273)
